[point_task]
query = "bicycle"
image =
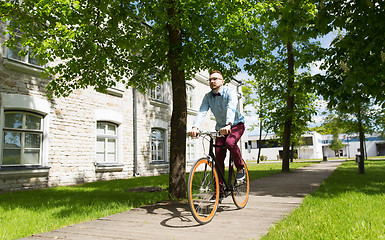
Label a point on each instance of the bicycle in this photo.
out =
(203, 184)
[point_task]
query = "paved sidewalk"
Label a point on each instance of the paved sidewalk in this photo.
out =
(271, 198)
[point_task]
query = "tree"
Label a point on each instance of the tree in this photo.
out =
(355, 61)
(336, 144)
(100, 43)
(359, 48)
(277, 44)
(332, 123)
(256, 100)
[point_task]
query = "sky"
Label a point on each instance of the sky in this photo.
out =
(317, 119)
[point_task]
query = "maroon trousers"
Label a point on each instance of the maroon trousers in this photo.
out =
(230, 141)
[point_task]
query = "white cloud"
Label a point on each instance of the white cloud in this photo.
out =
(317, 121)
(315, 68)
(243, 76)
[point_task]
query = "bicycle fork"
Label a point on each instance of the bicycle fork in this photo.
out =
(207, 176)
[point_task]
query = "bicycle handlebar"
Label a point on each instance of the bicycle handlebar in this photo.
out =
(210, 133)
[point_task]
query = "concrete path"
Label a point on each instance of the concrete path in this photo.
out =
(271, 198)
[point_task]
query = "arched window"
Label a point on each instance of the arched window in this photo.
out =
(190, 150)
(190, 96)
(22, 139)
(158, 146)
(106, 142)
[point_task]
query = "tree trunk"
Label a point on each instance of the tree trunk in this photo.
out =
(260, 142)
(260, 129)
(361, 166)
(289, 110)
(177, 177)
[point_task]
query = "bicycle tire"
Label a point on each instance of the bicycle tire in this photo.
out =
(202, 186)
(240, 193)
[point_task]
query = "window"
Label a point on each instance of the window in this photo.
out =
(22, 139)
(189, 97)
(269, 143)
(157, 93)
(249, 145)
(307, 141)
(14, 53)
(190, 150)
(158, 145)
(106, 142)
(117, 90)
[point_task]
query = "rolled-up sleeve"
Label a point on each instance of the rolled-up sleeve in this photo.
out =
(231, 107)
(202, 111)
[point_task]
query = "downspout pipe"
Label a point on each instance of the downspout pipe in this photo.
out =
(135, 130)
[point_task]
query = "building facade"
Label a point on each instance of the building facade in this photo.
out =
(315, 146)
(87, 136)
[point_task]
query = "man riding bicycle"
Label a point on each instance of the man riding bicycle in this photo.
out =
(223, 102)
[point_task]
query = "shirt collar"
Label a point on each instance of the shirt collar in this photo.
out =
(220, 93)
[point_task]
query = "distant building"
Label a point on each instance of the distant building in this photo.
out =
(315, 146)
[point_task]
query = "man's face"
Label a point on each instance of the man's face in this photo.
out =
(216, 81)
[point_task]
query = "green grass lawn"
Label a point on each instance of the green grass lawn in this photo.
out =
(348, 205)
(28, 212)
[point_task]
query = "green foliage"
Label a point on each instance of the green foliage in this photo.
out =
(264, 46)
(348, 205)
(263, 158)
(332, 123)
(96, 41)
(336, 144)
(100, 43)
(355, 61)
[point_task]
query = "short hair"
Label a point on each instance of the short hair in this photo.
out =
(216, 71)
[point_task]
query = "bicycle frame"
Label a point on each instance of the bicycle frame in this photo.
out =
(228, 185)
(202, 189)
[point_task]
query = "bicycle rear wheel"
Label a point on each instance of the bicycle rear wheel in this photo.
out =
(202, 186)
(241, 190)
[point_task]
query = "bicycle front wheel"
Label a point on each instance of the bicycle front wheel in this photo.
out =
(202, 186)
(241, 190)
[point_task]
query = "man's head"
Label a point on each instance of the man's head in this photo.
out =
(216, 80)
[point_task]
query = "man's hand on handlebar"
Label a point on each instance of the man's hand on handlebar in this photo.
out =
(193, 132)
(225, 130)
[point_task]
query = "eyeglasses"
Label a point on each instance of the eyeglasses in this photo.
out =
(214, 79)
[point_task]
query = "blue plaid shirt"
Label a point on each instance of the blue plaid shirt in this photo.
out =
(224, 106)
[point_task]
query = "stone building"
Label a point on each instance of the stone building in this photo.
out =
(87, 136)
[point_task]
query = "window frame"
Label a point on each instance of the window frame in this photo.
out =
(25, 60)
(191, 149)
(117, 90)
(107, 137)
(161, 91)
(114, 117)
(23, 131)
(164, 145)
(190, 96)
(36, 105)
